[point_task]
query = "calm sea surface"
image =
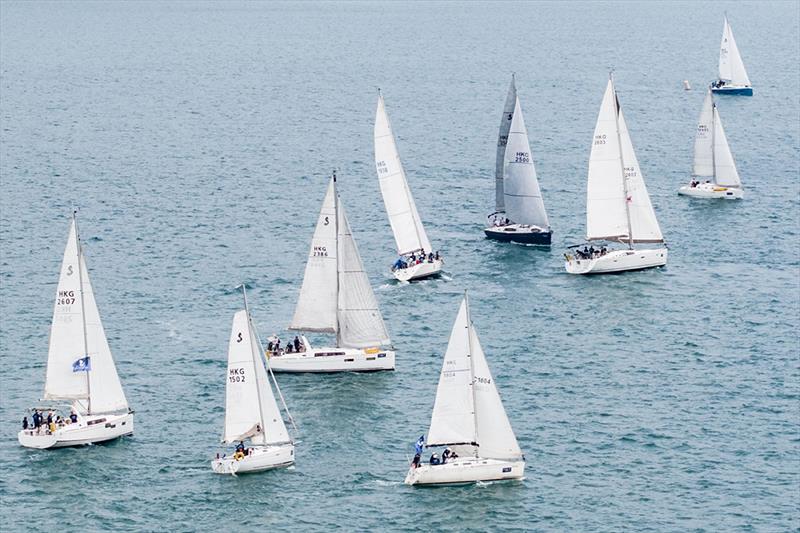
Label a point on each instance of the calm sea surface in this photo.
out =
(197, 140)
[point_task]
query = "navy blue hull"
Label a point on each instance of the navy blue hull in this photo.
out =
(743, 91)
(541, 238)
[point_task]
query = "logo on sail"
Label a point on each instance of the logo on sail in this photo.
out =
(82, 365)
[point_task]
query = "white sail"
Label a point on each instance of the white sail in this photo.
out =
(250, 407)
(724, 165)
(406, 225)
(731, 67)
(360, 321)
(317, 304)
(605, 197)
(523, 198)
(453, 418)
(703, 166)
(643, 223)
(495, 437)
(77, 332)
(502, 140)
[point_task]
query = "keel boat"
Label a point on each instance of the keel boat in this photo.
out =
(336, 297)
(252, 416)
(468, 418)
(82, 382)
(732, 75)
(417, 258)
(713, 161)
(618, 208)
(520, 215)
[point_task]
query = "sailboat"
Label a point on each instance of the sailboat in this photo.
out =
(618, 208)
(713, 160)
(336, 297)
(468, 418)
(417, 259)
(251, 412)
(732, 75)
(82, 382)
(519, 210)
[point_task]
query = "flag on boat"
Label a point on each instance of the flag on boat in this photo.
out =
(82, 365)
(420, 443)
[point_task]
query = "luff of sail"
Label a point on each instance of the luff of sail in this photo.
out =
(502, 140)
(317, 304)
(409, 234)
(725, 173)
(703, 165)
(523, 198)
(731, 66)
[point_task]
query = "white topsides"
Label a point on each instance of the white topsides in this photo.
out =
(77, 333)
(406, 225)
(731, 67)
(523, 198)
(502, 140)
(617, 203)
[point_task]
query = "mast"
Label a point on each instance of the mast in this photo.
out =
(622, 162)
(256, 361)
(83, 315)
(713, 123)
(472, 374)
(338, 269)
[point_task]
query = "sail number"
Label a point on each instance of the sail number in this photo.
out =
(382, 167)
(319, 251)
(236, 375)
(502, 140)
(65, 298)
(484, 381)
(523, 157)
(600, 139)
(630, 172)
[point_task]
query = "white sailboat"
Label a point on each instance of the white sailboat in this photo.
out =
(336, 297)
(417, 259)
(732, 75)
(252, 416)
(713, 161)
(468, 417)
(520, 216)
(618, 208)
(82, 382)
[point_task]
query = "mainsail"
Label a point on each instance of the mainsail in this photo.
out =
(336, 296)
(617, 204)
(731, 67)
(406, 225)
(77, 333)
(523, 198)
(502, 140)
(250, 407)
(703, 166)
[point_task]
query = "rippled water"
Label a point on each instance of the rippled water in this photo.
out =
(196, 139)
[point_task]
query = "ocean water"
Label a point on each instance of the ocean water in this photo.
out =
(196, 139)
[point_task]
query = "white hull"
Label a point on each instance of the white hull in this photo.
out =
(419, 271)
(618, 261)
(465, 470)
(712, 191)
(333, 360)
(88, 430)
(261, 458)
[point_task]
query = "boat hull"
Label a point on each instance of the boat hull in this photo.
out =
(465, 470)
(520, 234)
(261, 458)
(701, 191)
(618, 261)
(333, 360)
(419, 271)
(88, 430)
(742, 90)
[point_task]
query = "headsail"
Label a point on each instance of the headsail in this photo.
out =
(523, 198)
(406, 225)
(731, 67)
(502, 140)
(724, 165)
(703, 166)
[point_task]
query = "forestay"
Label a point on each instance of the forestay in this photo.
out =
(250, 407)
(523, 198)
(406, 225)
(317, 304)
(502, 140)
(703, 166)
(724, 165)
(731, 67)
(77, 332)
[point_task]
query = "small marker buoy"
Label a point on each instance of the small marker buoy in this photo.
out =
(686, 86)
